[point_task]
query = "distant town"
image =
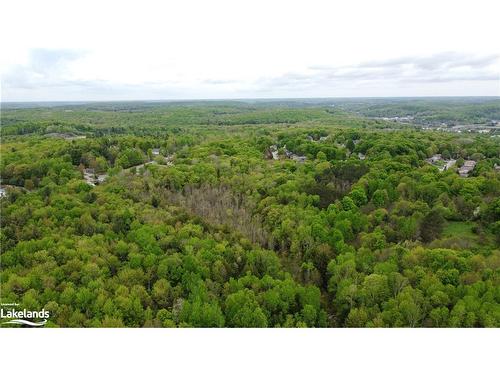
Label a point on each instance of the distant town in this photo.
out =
(492, 127)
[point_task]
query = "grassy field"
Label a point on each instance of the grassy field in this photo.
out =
(458, 228)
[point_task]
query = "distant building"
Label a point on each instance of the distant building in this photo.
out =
(101, 178)
(466, 168)
(299, 159)
(272, 152)
(434, 158)
(463, 172)
(290, 155)
(448, 165)
(155, 151)
(442, 164)
(89, 176)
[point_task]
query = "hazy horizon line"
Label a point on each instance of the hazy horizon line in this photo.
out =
(248, 98)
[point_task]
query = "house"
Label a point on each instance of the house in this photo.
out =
(155, 151)
(101, 178)
(290, 155)
(466, 168)
(463, 172)
(298, 158)
(434, 158)
(361, 156)
(442, 164)
(272, 152)
(449, 163)
(89, 176)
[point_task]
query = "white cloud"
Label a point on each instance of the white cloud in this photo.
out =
(227, 49)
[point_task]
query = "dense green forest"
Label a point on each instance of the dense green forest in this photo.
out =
(249, 214)
(458, 110)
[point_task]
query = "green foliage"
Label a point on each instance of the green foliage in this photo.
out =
(432, 225)
(215, 233)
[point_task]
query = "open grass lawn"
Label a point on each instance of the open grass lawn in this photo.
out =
(459, 235)
(458, 229)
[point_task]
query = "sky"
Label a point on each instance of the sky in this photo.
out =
(220, 49)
